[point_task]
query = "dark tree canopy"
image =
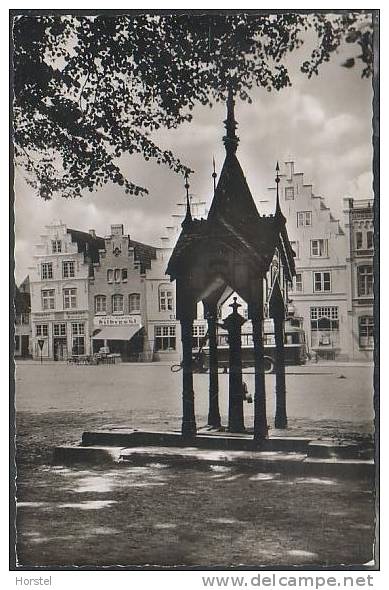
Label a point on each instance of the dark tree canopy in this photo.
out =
(89, 89)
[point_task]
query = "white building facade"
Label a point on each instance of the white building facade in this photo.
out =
(320, 291)
(59, 295)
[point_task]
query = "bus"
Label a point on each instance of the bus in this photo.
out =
(296, 350)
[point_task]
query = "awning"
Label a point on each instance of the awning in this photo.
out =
(117, 332)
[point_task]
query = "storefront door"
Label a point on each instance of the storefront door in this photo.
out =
(60, 349)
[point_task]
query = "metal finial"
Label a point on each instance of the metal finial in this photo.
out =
(188, 215)
(235, 306)
(230, 139)
(278, 212)
(214, 175)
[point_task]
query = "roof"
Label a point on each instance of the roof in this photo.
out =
(87, 244)
(22, 301)
(90, 245)
(233, 218)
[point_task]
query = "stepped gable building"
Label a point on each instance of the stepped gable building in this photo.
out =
(359, 224)
(59, 286)
(320, 288)
(230, 250)
(22, 303)
(118, 297)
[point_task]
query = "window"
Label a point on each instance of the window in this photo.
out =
(297, 284)
(304, 218)
(56, 246)
(124, 275)
(134, 302)
(47, 270)
(295, 248)
(324, 326)
(289, 192)
(25, 318)
(319, 247)
(117, 275)
(17, 342)
(321, 282)
(117, 303)
(165, 298)
(59, 329)
(198, 333)
(370, 240)
(100, 304)
(78, 339)
(110, 275)
(358, 240)
(165, 338)
(48, 299)
(366, 332)
(68, 269)
(41, 330)
(69, 298)
(365, 280)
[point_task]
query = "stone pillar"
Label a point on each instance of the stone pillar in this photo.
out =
(260, 420)
(233, 323)
(188, 415)
(213, 413)
(281, 420)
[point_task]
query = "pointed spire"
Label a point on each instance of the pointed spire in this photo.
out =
(230, 139)
(278, 212)
(188, 215)
(214, 175)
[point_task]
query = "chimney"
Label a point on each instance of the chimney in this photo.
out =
(92, 233)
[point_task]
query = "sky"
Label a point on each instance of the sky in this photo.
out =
(324, 124)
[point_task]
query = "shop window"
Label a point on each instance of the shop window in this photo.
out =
(56, 246)
(165, 298)
(366, 332)
(289, 193)
(324, 327)
(117, 303)
(365, 280)
(59, 329)
(321, 282)
(69, 298)
(198, 333)
(46, 270)
(41, 330)
(319, 247)
(304, 218)
(48, 299)
(78, 339)
(100, 304)
(68, 269)
(134, 302)
(165, 338)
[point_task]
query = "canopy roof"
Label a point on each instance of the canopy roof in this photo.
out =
(233, 221)
(117, 332)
